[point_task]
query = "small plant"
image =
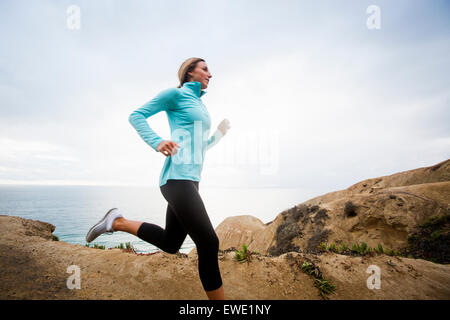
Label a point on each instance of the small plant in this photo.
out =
(120, 246)
(243, 255)
(350, 209)
(360, 249)
(129, 248)
(333, 248)
(363, 248)
(323, 246)
(380, 248)
(98, 246)
(309, 268)
(324, 286)
(436, 234)
(55, 238)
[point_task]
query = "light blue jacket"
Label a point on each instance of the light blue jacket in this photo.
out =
(190, 124)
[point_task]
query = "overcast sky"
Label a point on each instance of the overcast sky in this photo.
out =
(315, 96)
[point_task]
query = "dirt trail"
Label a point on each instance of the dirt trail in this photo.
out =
(32, 266)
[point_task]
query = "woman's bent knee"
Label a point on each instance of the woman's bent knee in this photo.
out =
(172, 250)
(210, 244)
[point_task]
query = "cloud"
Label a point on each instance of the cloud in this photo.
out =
(345, 102)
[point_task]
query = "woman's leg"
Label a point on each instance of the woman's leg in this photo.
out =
(169, 239)
(217, 294)
(130, 226)
(187, 205)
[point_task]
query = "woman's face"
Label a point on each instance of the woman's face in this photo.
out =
(201, 74)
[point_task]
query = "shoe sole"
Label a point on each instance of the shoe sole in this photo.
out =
(95, 225)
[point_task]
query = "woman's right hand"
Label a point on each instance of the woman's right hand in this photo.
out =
(168, 148)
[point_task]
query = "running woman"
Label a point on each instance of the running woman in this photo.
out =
(190, 123)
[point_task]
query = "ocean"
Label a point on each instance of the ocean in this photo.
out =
(74, 209)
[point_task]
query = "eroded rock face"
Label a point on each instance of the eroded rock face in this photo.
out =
(301, 222)
(383, 210)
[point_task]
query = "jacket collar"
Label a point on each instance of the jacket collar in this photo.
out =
(196, 87)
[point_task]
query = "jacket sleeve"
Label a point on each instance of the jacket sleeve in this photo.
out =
(214, 139)
(163, 101)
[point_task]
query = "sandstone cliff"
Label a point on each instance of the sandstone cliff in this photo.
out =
(386, 210)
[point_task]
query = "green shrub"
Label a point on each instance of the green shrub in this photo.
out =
(323, 246)
(363, 248)
(120, 246)
(243, 255)
(380, 248)
(324, 286)
(430, 239)
(306, 266)
(333, 248)
(433, 221)
(360, 249)
(436, 234)
(350, 209)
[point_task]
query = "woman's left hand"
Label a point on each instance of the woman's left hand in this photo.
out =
(224, 126)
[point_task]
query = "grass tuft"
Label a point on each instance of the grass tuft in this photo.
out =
(325, 287)
(243, 255)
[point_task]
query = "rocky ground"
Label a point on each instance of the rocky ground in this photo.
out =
(33, 266)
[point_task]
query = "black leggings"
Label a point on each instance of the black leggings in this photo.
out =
(186, 214)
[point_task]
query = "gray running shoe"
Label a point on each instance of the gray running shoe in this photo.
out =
(104, 225)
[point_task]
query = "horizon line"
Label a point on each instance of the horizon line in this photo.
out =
(134, 185)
